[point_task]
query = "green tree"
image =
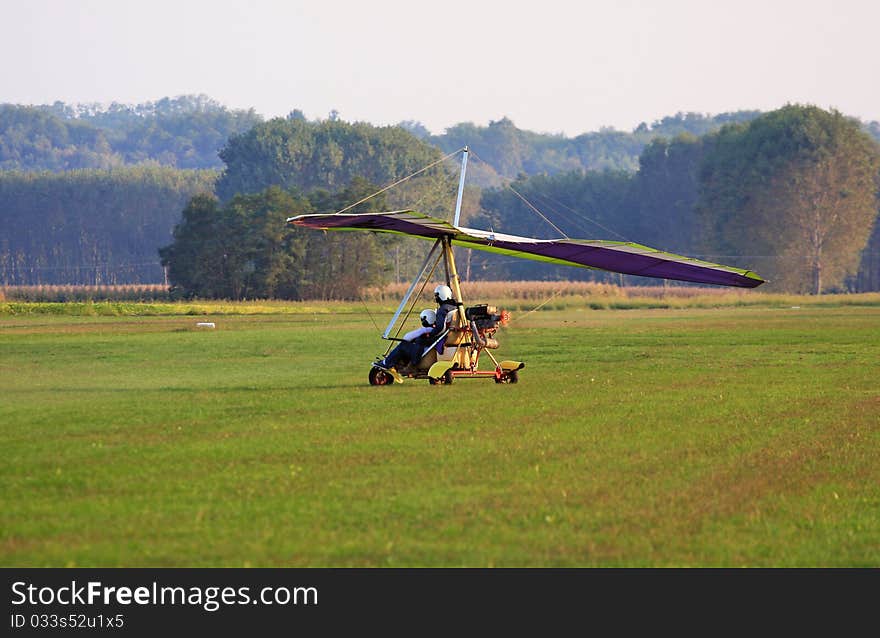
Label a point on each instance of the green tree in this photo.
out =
(186, 131)
(336, 160)
(869, 268)
(183, 132)
(295, 153)
(508, 151)
(796, 189)
(91, 226)
(664, 193)
(33, 139)
(243, 250)
(338, 265)
(824, 209)
(195, 260)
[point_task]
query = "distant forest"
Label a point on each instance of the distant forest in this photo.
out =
(90, 193)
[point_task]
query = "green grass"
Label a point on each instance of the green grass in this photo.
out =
(698, 437)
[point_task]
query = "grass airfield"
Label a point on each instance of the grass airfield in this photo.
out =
(734, 436)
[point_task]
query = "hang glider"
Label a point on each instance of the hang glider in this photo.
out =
(614, 256)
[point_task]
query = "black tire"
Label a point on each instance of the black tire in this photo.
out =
(508, 377)
(447, 377)
(379, 377)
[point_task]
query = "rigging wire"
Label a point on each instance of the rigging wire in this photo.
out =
(574, 220)
(369, 314)
(530, 205)
(580, 214)
(400, 181)
(539, 306)
(522, 197)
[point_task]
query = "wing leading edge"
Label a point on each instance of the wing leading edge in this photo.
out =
(621, 257)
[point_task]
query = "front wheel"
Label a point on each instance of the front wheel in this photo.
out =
(378, 376)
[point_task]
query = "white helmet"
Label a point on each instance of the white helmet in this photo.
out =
(443, 293)
(428, 317)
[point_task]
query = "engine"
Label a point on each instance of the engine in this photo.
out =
(486, 316)
(484, 321)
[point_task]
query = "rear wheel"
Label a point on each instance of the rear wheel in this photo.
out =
(378, 376)
(447, 377)
(508, 377)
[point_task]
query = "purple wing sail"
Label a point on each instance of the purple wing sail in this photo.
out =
(621, 257)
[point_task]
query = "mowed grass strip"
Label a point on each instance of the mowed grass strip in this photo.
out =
(694, 437)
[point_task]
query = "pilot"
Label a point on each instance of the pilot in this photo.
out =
(414, 343)
(446, 305)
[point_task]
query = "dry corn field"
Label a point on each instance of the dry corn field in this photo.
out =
(514, 290)
(540, 290)
(515, 295)
(59, 293)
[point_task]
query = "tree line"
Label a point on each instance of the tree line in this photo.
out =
(98, 227)
(91, 226)
(183, 132)
(508, 152)
(746, 194)
(792, 194)
(189, 131)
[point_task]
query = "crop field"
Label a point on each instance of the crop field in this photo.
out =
(692, 436)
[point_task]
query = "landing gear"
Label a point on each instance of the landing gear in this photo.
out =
(508, 377)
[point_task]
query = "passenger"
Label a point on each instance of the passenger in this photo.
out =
(413, 345)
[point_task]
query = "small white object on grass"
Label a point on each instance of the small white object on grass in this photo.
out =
(205, 324)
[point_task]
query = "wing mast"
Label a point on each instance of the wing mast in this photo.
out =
(451, 272)
(445, 243)
(464, 159)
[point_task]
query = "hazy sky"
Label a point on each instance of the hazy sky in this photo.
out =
(554, 66)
